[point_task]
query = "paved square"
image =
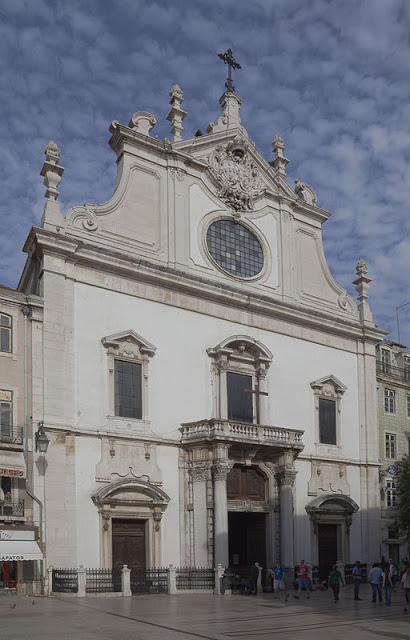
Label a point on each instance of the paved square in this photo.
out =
(187, 617)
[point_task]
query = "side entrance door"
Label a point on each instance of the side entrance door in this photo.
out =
(128, 547)
(327, 549)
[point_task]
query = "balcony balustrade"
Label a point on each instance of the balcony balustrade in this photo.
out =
(243, 433)
(385, 369)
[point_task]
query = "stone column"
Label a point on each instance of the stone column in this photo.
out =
(220, 472)
(262, 400)
(223, 388)
(285, 476)
(157, 515)
(172, 580)
(82, 582)
(200, 474)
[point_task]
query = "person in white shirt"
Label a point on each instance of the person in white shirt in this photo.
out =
(375, 578)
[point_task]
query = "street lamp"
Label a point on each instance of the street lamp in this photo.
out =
(42, 441)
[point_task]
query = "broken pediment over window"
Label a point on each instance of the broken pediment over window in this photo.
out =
(128, 344)
(329, 386)
(241, 349)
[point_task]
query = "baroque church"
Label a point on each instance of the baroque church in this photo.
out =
(209, 388)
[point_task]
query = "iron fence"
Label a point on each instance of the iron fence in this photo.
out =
(149, 580)
(102, 580)
(348, 573)
(12, 509)
(11, 434)
(65, 580)
(392, 371)
(189, 578)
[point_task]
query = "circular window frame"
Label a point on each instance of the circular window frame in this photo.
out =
(251, 230)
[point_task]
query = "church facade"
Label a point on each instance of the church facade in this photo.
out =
(209, 388)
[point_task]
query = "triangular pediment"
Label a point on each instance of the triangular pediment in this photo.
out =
(128, 343)
(328, 382)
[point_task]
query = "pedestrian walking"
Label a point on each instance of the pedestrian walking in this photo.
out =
(335, 580)
(387, 584)
(254, 575)
(303, 579)
(405, 580)
(375, 580)
(357, 579)
(278, 575)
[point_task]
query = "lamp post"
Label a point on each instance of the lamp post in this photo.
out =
(406, 304)
(42, 441)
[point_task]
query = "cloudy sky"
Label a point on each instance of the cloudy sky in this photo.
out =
(330, 76)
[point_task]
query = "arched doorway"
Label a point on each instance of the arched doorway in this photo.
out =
(331, 516)
(247, 515)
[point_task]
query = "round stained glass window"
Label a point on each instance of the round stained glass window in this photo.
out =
(235, 248)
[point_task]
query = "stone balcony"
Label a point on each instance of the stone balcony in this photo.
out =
(268, 440)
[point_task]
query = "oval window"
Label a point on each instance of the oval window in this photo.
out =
(235, 248)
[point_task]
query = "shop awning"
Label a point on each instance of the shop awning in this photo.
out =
(12, 464)
(19, 550)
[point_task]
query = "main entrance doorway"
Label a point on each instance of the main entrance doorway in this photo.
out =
(247, 538)
(128, 544)
(327, 547)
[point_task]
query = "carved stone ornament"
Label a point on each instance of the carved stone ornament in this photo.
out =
(305, 192)
(237, 175)
(200, 472)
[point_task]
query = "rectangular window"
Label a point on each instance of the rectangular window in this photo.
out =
(6, 415)
(389, 401)
(327, 421)
(5, 333)
(240, 397)
(385, 355)
(408, 405)
(406, 363)
(128, 389)
(390, 445)
(391, 497)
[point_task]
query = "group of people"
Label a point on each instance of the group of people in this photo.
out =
(382, 578)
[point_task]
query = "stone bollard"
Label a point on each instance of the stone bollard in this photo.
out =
(82, 581)
(49, 585)
(259, 578)
(219, 574)
(172, 580)
(126, 581)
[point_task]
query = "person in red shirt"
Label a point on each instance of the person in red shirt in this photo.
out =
(303, 579)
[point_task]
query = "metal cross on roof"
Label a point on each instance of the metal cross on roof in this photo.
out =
(228, 59)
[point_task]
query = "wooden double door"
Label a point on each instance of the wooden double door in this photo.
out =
(128, 544)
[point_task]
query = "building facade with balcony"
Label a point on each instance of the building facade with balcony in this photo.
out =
(20, 368)
(209, 389)
(393, 384)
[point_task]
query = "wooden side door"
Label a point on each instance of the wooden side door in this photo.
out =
(128, 544)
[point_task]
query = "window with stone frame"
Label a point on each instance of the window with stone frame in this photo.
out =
(391, 493)
(391, 446)
(128, 358)
(406, 366)
(408, 405)
(389, 401)
(6, 414)
(6, 333)
(239, 370)
(328, 393)
(385, 360)
(128, 389)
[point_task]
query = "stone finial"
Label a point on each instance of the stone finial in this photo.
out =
(51, 170)
(279, 161)
(230, 117)
(176, 114)
(362, 286)
(142, 122)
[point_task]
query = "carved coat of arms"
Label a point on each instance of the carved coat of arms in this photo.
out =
(236, 174)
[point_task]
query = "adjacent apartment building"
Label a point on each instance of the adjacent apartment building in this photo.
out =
(393, 380)
(20, 386)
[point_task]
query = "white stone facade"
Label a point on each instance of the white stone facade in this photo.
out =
(135, 277)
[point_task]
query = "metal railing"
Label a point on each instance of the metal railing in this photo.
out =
(150, 580)
(392, 371)
(10, 508)
(234, 431)
(198, 578)
(65, 580)
(11, 435)
(102, 580)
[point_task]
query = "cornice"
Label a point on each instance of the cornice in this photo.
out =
(172, 278)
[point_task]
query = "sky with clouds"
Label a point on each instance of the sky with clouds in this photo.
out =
(330, 76)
